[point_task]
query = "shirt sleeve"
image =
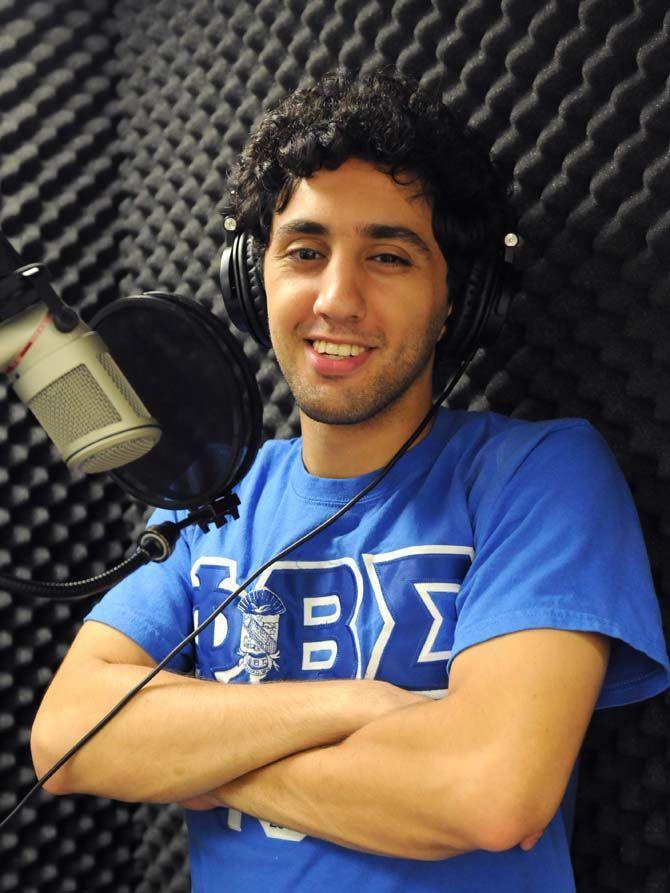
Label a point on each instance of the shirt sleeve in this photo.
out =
(558, 545)
(153, 605)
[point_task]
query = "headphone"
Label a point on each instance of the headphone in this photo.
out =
(479, 310)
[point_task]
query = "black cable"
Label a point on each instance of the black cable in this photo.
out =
(151, 548)
(224, 604)
(78, 589)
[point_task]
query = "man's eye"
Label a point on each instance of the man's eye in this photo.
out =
(392, 259)
(303, 254)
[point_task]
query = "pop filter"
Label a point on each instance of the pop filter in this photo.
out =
(193, 377)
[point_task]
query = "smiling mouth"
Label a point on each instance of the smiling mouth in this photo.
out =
(337, 351)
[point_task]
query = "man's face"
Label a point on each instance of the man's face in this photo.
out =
(352, 267)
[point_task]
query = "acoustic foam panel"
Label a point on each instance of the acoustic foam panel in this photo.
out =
(573, 96)
(60, 196)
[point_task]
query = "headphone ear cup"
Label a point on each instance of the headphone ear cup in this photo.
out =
(467, 324)
(242, 289)
(257, 307)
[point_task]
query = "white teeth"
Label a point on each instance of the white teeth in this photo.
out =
(338, 350)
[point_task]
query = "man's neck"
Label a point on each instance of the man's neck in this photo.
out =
(345, 451)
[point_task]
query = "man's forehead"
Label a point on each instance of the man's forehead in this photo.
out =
(360, 196)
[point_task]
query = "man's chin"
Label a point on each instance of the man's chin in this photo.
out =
(353, 403)
(348, 414)
(332, 417)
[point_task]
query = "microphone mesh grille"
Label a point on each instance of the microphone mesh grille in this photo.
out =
(72, 406)
(118, 455)
(109, 365)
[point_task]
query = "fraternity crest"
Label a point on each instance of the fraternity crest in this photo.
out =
(259, 638)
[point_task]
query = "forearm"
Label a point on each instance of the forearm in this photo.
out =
(182, 736)
(292, 793)
(398, 787)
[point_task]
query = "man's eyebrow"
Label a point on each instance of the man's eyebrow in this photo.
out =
(369, 230)
(402, 233)
(308, 227)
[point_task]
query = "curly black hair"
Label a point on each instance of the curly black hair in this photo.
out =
(399, 126)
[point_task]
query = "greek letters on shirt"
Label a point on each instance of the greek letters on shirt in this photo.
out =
(386, 616)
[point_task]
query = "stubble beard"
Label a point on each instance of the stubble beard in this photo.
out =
(355, 405)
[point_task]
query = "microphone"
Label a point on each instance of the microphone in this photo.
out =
(66, 376)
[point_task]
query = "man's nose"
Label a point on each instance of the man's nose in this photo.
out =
(340, 290)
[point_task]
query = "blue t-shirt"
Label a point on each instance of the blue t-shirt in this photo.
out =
(488, 526)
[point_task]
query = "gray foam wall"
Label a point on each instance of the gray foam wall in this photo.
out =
(118, 122)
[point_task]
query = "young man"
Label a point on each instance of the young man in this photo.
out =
(437, 653)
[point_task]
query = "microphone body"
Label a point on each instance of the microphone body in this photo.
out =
(72, 384)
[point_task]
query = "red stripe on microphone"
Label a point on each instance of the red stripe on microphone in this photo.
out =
(33, 338)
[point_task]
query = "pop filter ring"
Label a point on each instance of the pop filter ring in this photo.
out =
(247, 400)
(252, 406)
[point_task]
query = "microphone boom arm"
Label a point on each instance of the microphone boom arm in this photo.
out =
(156, 543)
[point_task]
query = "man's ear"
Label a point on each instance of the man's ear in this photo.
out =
(450, 308)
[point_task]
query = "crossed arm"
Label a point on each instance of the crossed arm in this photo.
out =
(485, 768)
(359, 763)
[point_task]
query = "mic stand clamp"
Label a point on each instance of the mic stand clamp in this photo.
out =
(158, 541)
(215, 512)
(28, 285)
